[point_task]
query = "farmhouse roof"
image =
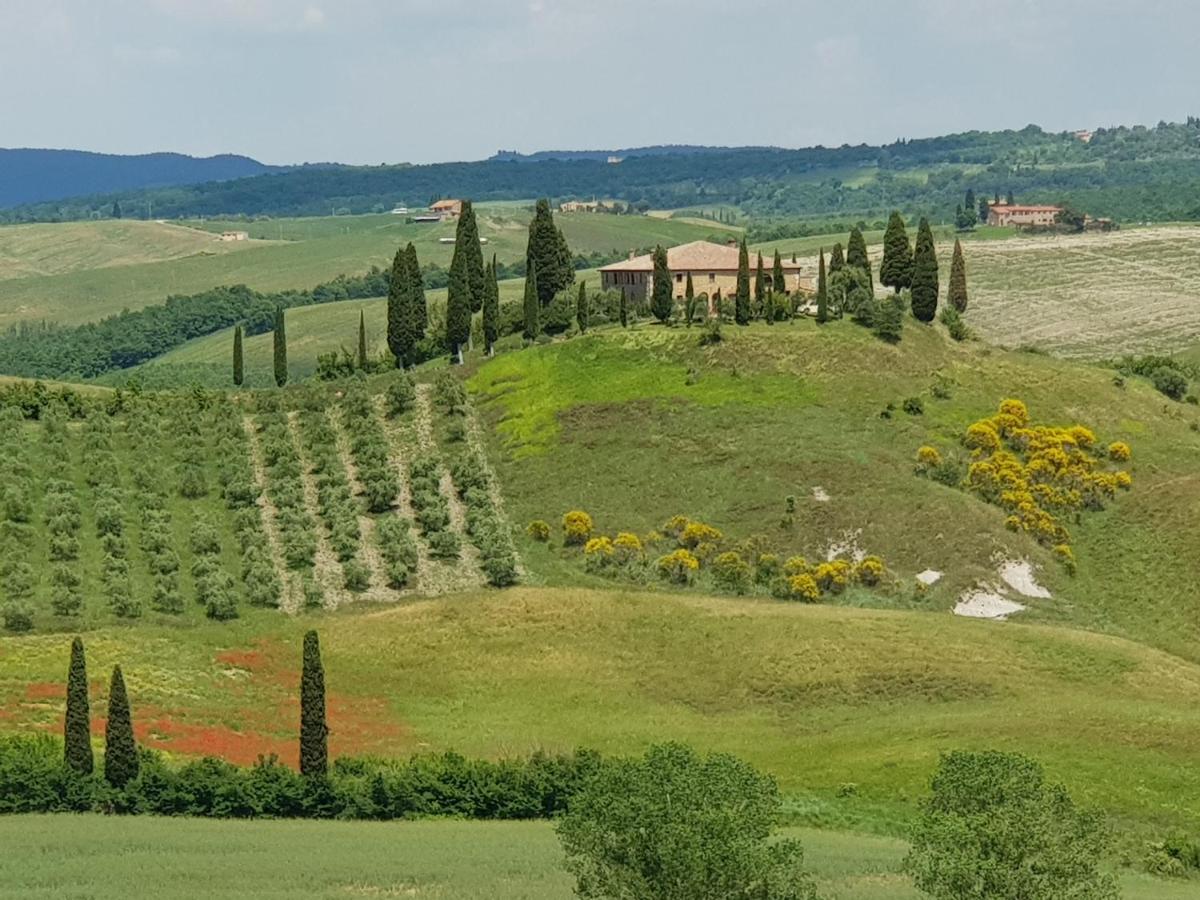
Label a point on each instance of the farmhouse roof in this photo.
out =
(446, 204)
(698, 256)
(1004, 207)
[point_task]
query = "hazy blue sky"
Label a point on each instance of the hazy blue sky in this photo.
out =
(371, 81)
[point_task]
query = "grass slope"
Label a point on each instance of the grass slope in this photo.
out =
(92, 856)
(77, 272)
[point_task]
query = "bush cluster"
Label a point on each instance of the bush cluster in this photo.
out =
(487, 530)
(17, 578)
(431, 507)
(63, 516)
(109, 513)
(214, 586)
(150, 500)
(240, 491)
(34, 779)
(369, 446)
(286, 490)
(1038, 474)
(335, 502)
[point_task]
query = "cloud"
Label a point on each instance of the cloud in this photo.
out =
(312, 18)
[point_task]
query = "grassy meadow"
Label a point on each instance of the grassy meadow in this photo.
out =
(423, 860)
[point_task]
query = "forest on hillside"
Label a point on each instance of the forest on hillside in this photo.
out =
(1127, 173)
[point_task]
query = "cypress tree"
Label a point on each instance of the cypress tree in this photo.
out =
(238, 361)
(836, 259)
(760, 288)
(581, 307)
(120, 748)
(491, 309)
(399, 310)
(77, 727)
(362, 340)
(689, 300)
(458, 305)
(856, 252)
(314, 733)
(925, 275)
(116, 209)
(957, 292)
(418, 309)
(661, 303)
(778, 282)
(822, 290)
(741, 306)
(1009, 197)
(624, 309)
(469, 230)
(281, 366)
(969, 202)
(896, 270)
(984, 210)
(548, 254)
(533, 307)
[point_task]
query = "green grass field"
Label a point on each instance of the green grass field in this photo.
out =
(100, 858)
(77, 272)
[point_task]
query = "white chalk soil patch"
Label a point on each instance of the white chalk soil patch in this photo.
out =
(1018, 575)
(820, 494)
(982, 603)
(929, 577)
(847, 547)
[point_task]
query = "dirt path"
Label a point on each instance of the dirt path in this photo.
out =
(291, 601)
(379, 591)
(465, 573)
(326, 569)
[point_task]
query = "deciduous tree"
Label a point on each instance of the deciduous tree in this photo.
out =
(77, 727)
(120, 748)
(925, 275)
(314, 733)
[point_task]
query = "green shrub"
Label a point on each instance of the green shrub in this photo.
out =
(357, 577)
(1169, 381)
(914, 406)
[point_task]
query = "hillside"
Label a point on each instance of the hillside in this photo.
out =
(1133, 174)
(36, 176)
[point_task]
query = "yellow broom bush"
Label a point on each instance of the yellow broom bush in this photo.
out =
(678, 566)
(577, 527)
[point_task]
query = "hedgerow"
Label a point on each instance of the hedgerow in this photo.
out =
(284, 487)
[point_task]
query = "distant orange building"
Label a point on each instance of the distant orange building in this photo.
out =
(1003, 214)
(447, 209)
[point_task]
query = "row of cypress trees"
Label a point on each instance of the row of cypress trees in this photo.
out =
(120, 746)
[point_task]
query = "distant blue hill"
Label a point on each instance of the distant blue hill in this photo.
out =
(656, 150)
(37, 176)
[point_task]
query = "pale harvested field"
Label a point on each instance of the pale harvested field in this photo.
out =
(1095, 296)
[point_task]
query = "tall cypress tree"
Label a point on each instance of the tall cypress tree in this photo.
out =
(77, 727)
(116, 209)
(281, 365)
(624, 309)
(896, 270)
(689, 300)
(458, 305)
(760, 288)
(548, 254)
(239, 370)
(925, 275)
(661, 303)
(399, 310)
(581, 307)
(822, 290)
(533, 307)
(836, 259)
(969, 203)
(957, 292)
(778, 282)
(491, 309)
(856, 252)
(741, 305)
(314, 733)
(469, 227)
(362, 340)
(418, 308)
(120, 748)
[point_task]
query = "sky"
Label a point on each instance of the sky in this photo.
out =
(386, 81)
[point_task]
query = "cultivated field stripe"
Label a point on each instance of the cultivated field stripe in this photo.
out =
(291, 601)
(478, 447)
(422, 583)
(326, 568)
(368, 547)
(466, 574)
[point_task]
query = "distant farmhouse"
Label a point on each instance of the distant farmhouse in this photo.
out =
(234, 236)
(1004, 214)
(573, 206)
(713, 268)
(447, 209)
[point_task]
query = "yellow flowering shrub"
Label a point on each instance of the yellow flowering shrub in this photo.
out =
(929, 457)
(627, 546)
(1015, 409)
(577, 527)
(696, 533)
(731, 572)
(598, 554)
(832, 577)
(804, 588)
(869, 571)
(674, 526)
(1123, 480)
(982, 436)
(538, 530)
(796, 565)
(1118, 451)
(678, 566)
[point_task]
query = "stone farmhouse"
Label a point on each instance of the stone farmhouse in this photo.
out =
(1022, 216)
(713, 268)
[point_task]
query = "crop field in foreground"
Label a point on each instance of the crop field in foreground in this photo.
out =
(94, 857)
